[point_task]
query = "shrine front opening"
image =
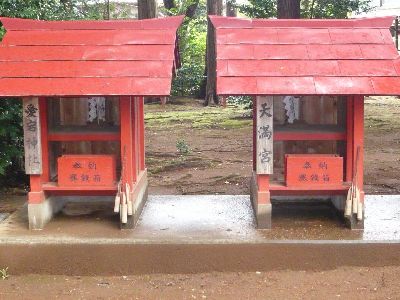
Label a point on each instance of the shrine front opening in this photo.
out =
(308, 79)
(82, 85)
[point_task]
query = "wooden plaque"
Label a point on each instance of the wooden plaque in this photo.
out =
(32, 140)
(265, 135)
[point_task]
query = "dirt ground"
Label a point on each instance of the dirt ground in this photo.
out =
(342, 283)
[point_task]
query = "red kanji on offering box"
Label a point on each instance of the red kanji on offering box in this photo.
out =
(86, 170)
(313, 169)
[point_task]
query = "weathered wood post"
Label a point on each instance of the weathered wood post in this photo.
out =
(264, 159)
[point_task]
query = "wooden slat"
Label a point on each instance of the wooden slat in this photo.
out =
(367, 68)
(343, 86)
(260, 68)
(32, 136)
(356, 36)
(80, 53)
(77, 69)
(264, 135)
(90, 37)
(26, 24)
(285, 85)
(17, 87)
(378, 22)
(304, 35)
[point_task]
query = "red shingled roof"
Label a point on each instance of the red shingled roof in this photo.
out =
(75, 58)
(306, 57)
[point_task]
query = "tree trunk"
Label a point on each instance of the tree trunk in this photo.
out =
(214, 7)
(288, 9)
(147, 9)
(230, 9)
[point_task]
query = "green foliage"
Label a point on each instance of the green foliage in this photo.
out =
(313, 9)
(192, 46)
(182, 147)
(11, 141)
(245, 101)
(259, 8)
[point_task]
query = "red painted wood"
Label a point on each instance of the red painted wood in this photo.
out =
(349, 140)
(15, 87)
(88, 53)
(306, 57)
(36, 194)
(53, 186)
(313, 170)
(44, 137)
(86, 170)
(374, 51)
(386, 85)
(278, 68)
(134, 138)
(142, 134)
(73, 137)
(75, 69)
(378, 22)
(247, 36)
(343, 85)
(356, 36)
(254, 133)
(285, 85)
(236, 86)
(309, 136)
(367, 68)
(302, 36)
(26, 24)
(358, 138)
(125, 106)
(334, 52)
(90, 37)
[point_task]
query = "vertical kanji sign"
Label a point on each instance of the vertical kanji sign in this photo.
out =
(32, 142)
(264, 135)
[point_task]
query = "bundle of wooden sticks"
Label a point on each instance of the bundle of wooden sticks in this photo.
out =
(123, 202)
(354, 205)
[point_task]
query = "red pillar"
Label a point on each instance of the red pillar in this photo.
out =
(127, 162)
(142, 151)
(358, 141)
(349, 139)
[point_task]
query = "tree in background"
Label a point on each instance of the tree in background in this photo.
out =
(312, 9)
(147, 9)
(288, 9)
(214, 7)
(192, 44)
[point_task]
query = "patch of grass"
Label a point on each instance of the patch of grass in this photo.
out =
(160, 165)
(4, 273)
(382, 113)
(199, 117)
(182, 147)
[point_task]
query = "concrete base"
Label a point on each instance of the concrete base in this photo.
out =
(140, 195)
(190, 234)
(263, 211)
(39, 214)
(339, 202)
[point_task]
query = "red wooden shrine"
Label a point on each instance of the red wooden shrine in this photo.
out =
(82, 85)
(308, 79)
